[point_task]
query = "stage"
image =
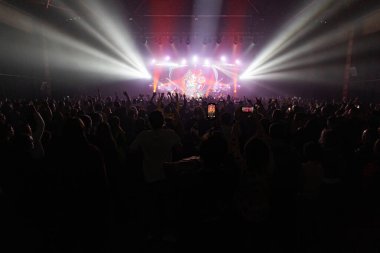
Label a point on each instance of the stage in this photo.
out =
(196, 77)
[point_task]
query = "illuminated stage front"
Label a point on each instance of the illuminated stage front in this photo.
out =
(196, 80)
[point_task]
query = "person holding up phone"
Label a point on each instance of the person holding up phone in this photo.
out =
(247, 109)
(211, 111)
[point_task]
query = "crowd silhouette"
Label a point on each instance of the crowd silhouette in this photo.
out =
(146, 173)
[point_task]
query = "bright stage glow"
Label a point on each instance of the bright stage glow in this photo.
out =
(223, 58)
(195, 59)
(209, 77)
(195, 81)
(167, 64)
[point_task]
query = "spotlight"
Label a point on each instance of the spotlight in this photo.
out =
(153, 61)
(207, 62)
(223, 58)
(146, 76)
(245, 76)
(167, 58)
(183, 62)
(238, 62)
(195, 58)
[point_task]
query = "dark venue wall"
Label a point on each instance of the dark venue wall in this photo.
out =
(365, 72)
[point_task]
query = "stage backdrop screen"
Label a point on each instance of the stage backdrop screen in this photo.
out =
(195, 81)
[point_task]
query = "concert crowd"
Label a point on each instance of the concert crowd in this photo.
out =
(157, 172)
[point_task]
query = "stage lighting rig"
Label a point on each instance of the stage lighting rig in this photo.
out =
(236, 41)
(219, 40)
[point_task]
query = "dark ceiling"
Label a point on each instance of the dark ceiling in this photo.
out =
(266, 14)
(141, 11)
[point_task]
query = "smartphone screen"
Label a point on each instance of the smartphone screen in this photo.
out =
(247, 109)
(211, 111)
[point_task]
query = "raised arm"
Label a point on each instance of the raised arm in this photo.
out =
(40, 124)
(38, 151)
(153, 97)
(177, 102)
(160, 102)
(129, 103)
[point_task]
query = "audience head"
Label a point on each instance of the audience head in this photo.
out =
(277, 115)
(213, 149)
(199, 113)
(6, 132)
(114, 122)
(133, 113)
(369, 136)
(226, 119)
(97, 118)
(2, 118)
(257, 156)
(277, 131)
(312, 151)
(376, 148)
(98, 107)
(23, 143)
(73, 130)
(328, 138)
(87, 121)
(103, 132)
(23, 128)
(156, 119)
